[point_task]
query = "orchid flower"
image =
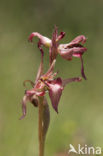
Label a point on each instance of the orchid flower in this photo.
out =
(46, 83)
(73, 49)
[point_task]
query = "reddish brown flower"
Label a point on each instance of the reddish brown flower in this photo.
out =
(46, 83)
(73, 49)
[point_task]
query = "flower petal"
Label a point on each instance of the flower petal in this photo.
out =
(62, 34)
(53, 47)
(46, 116)
(50, 70)
(73, 49)
(82, 68)
(78, 51)
(78, 39)
(44, 40)
(24, 101)
(34, 92)
(75, 79)
(66, 52)
(40, 70)
(55, 92)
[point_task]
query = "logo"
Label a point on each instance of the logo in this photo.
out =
(85, 150)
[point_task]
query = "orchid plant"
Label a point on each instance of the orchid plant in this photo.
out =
(49, 82)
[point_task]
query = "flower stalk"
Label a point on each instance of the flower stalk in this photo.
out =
(43, 123)
(41, 134)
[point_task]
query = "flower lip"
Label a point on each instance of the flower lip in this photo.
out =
(55, 92)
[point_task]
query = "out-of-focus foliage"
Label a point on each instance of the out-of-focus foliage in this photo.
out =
(80, 118)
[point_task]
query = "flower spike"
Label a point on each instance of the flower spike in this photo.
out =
(47, 82)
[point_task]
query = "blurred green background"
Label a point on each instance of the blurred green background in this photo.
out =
(80, 118)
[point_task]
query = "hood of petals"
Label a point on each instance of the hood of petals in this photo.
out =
(44, 40)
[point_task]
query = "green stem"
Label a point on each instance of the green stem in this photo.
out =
(41, 135)
(44, 120)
